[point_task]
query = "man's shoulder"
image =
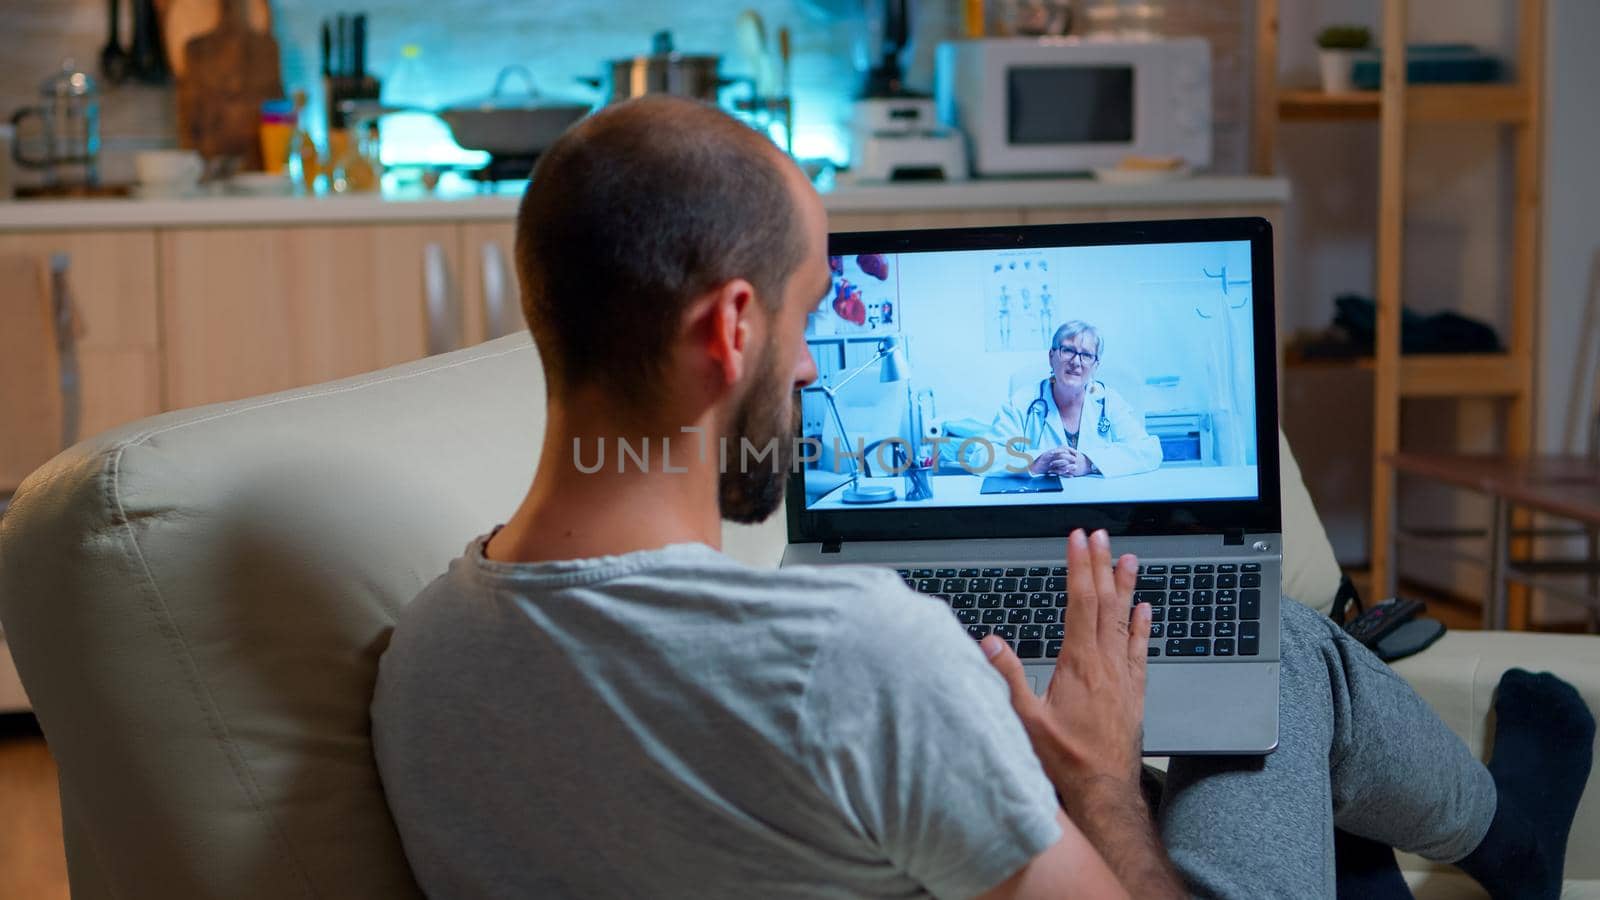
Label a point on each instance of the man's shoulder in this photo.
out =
(859, 596)
(866, 580)
(865, 597)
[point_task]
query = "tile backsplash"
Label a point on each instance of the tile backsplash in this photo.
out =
(463, 44)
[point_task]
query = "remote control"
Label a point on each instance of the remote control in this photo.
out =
(1382, 619)
(1412, 637)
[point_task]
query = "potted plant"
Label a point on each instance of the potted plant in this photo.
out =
(1339, 44)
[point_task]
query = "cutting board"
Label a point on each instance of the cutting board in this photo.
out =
(184, 20)
(229, 72)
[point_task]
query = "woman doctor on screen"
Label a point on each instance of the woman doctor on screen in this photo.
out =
(1074, 424)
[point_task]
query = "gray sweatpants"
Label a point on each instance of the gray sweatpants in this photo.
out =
(1357, 749)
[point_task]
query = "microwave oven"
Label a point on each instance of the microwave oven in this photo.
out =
(1037, 106)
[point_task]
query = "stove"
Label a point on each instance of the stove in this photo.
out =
(504, 168)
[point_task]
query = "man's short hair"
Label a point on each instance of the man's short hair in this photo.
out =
(631, 214)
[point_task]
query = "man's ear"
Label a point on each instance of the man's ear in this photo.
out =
(723, 323)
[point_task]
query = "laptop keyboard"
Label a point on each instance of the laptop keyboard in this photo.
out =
(1197, 609)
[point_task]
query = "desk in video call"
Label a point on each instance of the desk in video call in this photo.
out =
(1187, 483)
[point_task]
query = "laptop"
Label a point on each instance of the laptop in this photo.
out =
(949, 360)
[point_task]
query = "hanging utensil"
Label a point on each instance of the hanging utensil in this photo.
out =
(113, 58)
(148, 65)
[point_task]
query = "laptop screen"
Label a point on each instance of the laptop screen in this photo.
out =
(1038, 373)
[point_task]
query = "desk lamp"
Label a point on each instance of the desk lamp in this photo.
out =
(894, 367)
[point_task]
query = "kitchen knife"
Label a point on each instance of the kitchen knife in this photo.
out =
(358, 46)
(341, 64)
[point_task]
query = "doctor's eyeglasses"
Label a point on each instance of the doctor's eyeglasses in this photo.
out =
(1073, 354)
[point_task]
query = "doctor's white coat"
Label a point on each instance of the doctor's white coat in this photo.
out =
(1127, 449)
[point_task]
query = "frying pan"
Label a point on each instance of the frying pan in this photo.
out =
(503, 123)
(507, 124)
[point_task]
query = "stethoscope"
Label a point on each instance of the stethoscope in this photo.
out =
(1039, 410)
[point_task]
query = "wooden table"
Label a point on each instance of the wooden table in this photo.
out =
(1567, 487)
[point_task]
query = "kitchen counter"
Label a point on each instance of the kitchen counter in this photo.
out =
(467, 205)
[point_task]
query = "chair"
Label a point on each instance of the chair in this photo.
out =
(198, 602)
(1562, 485)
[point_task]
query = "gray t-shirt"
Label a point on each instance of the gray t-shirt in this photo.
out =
(673, 723)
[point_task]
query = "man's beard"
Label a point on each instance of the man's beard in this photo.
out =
(748, 491)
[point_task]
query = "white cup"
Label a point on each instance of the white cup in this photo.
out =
(167, 173)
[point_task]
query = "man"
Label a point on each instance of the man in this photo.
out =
(594, 701)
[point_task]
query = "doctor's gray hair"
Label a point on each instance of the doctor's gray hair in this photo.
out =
(1070, 330)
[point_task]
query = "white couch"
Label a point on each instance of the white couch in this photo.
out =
(197, 604)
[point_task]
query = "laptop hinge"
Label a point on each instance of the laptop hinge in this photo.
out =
(832, 545)
(1232, 537)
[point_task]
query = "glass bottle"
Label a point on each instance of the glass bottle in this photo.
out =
(305, 164)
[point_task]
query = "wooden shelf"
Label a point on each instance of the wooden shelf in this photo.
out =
(1504, 376)
(1504, 103)
(1461, 375)
(1439, 375)
(1313, 105)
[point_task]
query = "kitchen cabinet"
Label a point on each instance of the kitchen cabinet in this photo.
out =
(1139, 213)
(111, 279)
(190, 302)
(943, 218)
(247, 311)
(491, 301)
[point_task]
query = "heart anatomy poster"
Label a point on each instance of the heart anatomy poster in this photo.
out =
(864, 297)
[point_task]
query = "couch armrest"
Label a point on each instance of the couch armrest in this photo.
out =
(1457, 676)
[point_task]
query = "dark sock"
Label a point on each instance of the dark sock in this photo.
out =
(1366, 870)
(1543, 747)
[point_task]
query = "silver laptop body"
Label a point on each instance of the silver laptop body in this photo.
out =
(1205, 523)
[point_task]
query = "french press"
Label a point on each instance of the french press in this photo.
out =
(69, 116)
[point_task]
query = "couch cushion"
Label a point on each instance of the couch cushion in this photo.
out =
(1456, 886)
(1310, 573)
(1458, 675)
(197, 603)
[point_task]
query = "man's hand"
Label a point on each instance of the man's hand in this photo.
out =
(1086, 730)
(1087, 726)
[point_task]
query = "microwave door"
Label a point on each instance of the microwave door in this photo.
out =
(1091, 106)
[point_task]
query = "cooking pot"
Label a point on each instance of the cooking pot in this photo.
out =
(511, 124)
(664, 71)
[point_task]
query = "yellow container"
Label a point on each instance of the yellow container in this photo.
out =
(974, 18)
(275, 146)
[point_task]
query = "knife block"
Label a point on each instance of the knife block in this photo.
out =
(338, 89)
